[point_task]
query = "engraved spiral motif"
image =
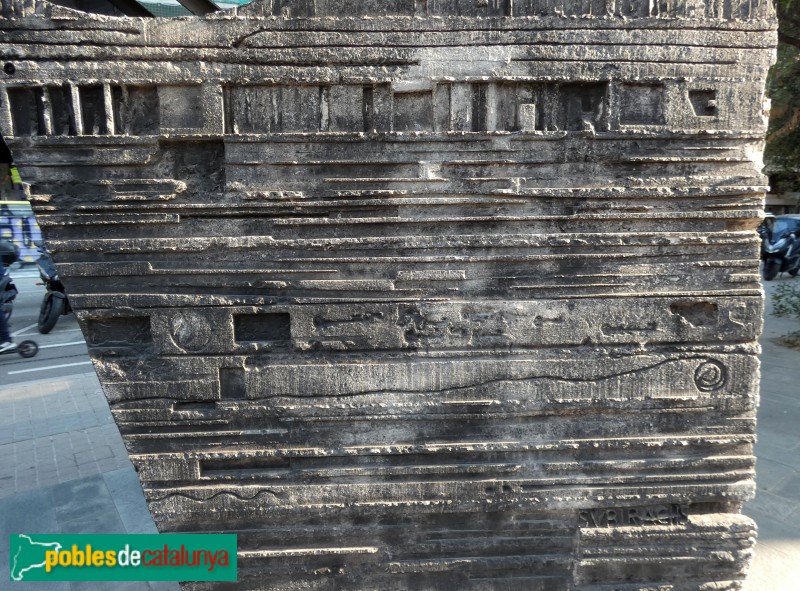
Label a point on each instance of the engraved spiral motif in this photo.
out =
(190, 332)
(710, 376)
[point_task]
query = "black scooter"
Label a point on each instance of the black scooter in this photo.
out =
(780, 246)
(55, 302)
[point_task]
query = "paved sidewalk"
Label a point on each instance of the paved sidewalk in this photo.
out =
(54, 431)
(64, 469)
(776, 508)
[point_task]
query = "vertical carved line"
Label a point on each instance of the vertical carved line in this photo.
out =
(108, 109)
(276, 96)
(612, 105)
(324, 108)
(76, 111)
(5, 113)
(227, 114)
(441, 108)
(368, 109)
(213, 108)
(46, 112)
(550, 104)
(125, 118)
(491, 106)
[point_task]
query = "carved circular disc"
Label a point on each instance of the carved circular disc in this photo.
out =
(710, 376)
(191, 332)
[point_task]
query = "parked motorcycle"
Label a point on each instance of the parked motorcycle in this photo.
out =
(55, 302)
(780, 246)
(8, 291)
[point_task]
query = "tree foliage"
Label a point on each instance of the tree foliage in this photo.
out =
(783, 87)
(789, 22)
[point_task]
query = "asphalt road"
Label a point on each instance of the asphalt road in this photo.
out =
(61, 353)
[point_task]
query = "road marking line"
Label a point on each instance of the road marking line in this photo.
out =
(21, 330)
(59, 331)
(49, 367)
(62, 345)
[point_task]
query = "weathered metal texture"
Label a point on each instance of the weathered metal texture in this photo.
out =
(459, 295)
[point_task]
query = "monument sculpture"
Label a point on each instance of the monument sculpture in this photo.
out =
(417, 294)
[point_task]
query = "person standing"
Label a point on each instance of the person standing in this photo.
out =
(8, 254)
(6, 342)
(9, 178)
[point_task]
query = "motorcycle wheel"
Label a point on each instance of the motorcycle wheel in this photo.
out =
(49, 312)
(794, 272)
(771, 269)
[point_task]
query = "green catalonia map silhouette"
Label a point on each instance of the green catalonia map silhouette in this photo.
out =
(28, 555)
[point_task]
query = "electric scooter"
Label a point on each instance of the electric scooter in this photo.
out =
(8, 292)
(26, 349)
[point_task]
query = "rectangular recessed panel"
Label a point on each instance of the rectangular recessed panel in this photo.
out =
(93, 110)
(232, 382)
(120, 329)
(262, 327)
(62, 116)
(345, 104)
(135, 109)
(413, 111)
(25, 111)
(180, 106)
(641, 104)
(703, 102)
(582, 106)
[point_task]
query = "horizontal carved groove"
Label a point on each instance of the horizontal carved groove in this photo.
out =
(306, 552)
(236, 467)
